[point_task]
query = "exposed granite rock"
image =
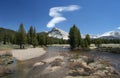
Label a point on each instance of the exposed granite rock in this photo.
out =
(87, 67)
(56, 62)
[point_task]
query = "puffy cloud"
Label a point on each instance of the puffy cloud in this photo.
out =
(55, 12)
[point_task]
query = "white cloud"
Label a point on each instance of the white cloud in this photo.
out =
(55, 12)
(118, 28)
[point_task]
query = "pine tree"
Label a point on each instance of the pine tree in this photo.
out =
(42, 38)
(83, 43)
(74, 37)
(5, 38)
(35, 41)
(30, 35)
(98, 42)
(87, 41)
(21, 36)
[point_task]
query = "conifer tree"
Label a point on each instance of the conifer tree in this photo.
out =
(5, 38)
(30, 35)
(35, 41)
(87, 41)
(21, 36)
(42, 39)
(74, 37)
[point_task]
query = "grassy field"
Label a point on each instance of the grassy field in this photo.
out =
(114, 48)
(110, 45)
(8, 46)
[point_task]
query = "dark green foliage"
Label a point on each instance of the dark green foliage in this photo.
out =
(35, 41)
(42, 38)
(97, 42)
(74, 37)
(85, 43)
(32, 37)
(105, 41)
(21, 36)
(87, 38)
(5, 40)
(7, 36)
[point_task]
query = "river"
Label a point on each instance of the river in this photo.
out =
(25, 69)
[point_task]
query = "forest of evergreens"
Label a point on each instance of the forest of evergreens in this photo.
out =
(22, 38)
(31, 37)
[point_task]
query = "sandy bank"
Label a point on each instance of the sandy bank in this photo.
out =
(25, 54)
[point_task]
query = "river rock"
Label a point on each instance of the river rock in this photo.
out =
(88, 60)
(5, 70)
(5, 60)
(50, 69)
(78, 72)
(101, 73)
(84, 66)
(97, 66)
(39, 64)
(57, 62)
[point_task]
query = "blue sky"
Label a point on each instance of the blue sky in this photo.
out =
(91, 16)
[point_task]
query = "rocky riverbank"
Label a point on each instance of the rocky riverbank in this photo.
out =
(87, 67)
(78, 66)
(6, 59)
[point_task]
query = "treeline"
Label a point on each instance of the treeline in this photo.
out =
(23, 38)
(105, 41)
(76, 41)
(31, 37)
(7, 36)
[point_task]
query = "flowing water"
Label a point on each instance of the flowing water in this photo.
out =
(26, 70)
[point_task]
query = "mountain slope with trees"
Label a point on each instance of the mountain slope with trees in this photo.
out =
(7, 35)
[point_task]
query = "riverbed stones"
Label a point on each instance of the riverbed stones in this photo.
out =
(53, 65)
(39, 63)
(56, 62)
(81, 66)
(6, 59)
(97, 66)
(5, 70)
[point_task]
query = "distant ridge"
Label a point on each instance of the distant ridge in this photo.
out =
(7, 31)
(110, 35)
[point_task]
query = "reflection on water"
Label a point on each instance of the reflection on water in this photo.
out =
(26, 70)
